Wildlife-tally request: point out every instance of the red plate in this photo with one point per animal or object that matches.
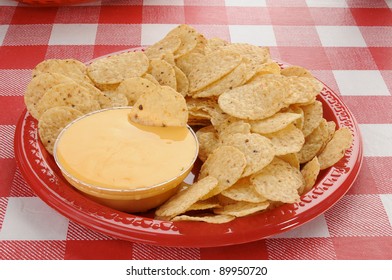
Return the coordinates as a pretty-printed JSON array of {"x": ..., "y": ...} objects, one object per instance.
[{"x": 44, "y": 177}]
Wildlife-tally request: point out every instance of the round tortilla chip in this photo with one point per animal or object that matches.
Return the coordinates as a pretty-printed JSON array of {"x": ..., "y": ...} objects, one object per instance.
[
  {"x": 116, "y": 100},
  {"x": 301, "y": 90},
  {"x": 232, "y": 128},
  {"x": 310, "y": 172},
  {"x": 227, "y": 164},
  {"x": 287, "y": 140},
  {"x": 254, "y": 101},
  {"x": 163, "y": 72},
  {"x": 297, "y": 71},
  {"x": 253, "y": 55},
  {"x": 313, "y": 144},
  {"x": 279, "y": 181},
  {"x": 38, "y": 86},
  {"x": 232, "y": 80},
  {"x": 134, "y": 87},
  {"x": 190, "y": 39},
  {"x": 166, "y": 45},
  {"x": 70, "y": 68},
  {"x": 313, "y": 115},
  {"x": 258, "y": 150},
  {"x": 182, "y": 81},
  {"x": 52, "y": 122},
  {"x": 108, "y": 72},
  {"x": 243, "y": 190},
  {"x": 181, "y": 201},
  {"x": 274, "y": 123},
  {"x": 212, "y": 68},
  {"x": 161, "y": 107},
  {"x": 208, "y": 141},
  {"x": 70, "y": 94},
  {"x": 335, "y": 149}
]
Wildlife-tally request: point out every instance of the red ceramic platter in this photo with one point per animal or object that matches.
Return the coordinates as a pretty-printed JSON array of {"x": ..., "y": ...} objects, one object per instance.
[{"x": 44, "y": 177}]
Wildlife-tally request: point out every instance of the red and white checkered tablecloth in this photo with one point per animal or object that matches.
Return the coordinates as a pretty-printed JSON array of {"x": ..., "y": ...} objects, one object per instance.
[{"x": 346, "y": 44}]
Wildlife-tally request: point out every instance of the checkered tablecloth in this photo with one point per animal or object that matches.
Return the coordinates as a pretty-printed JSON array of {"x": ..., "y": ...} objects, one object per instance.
[{"x": 346, "y": 44}]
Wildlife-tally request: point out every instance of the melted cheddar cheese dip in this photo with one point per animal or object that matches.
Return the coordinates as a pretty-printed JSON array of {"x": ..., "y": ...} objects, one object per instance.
[{"x": 105, "y": 150}]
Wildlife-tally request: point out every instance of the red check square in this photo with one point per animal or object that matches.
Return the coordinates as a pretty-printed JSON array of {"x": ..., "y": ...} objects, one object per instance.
[
  {"x": 344, "y": 58},
  {"x": 12, "y": 107},
  {"x": 363, "y": 248},
  {"x": 300, "y": 56},
  {"x": 163, "y": 14},
  {"x": 7, "y": 167},
  {"x": 98, "y": 250},
  {"x": 372, "y": 17},
  {"x": 382, "y": 103},
  {"x": 34, "y": 15},
  {"x": 24, "y": 35},
  {"x": 246, "y": 251},
  {"x": 14, "y": 57},
  {"x": 151, "y": 252},
  {"x": 121, "y": 14},
  {"x": 82, "y": 53},
  {"x": 205, "y": 15},
  {"x": 382, "y": 57}
]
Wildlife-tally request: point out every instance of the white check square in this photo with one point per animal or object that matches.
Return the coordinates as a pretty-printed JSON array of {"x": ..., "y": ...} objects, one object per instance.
[
  {"x": 340, "y": 36},
  {"x": 29, "y": 218},
  {"x": 361, "y": 82},
  {"x": 315, "y": 228},
  {"x": 73, "y": 34},
  {"x": 327, "y": 3},
  {"x": 151, "y": 33},
  {"x": 387, "y": 202},
  {"x": 377, "y": 139},
  {"x": 3, "y": 31},
  {"x": 246, "y": 3},
  {"x": 259, "y": 35}
]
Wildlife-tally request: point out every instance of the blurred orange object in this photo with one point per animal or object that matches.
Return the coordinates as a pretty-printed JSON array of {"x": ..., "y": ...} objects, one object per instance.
[{"x": 53, "y": 2}]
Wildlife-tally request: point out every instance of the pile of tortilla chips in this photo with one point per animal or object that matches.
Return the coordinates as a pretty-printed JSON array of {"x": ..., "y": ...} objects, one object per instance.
[{"x": 263, "y": 138}]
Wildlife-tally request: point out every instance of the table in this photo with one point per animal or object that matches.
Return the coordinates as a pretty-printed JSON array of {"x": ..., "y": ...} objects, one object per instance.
[{"x": 346, "y": 44}]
